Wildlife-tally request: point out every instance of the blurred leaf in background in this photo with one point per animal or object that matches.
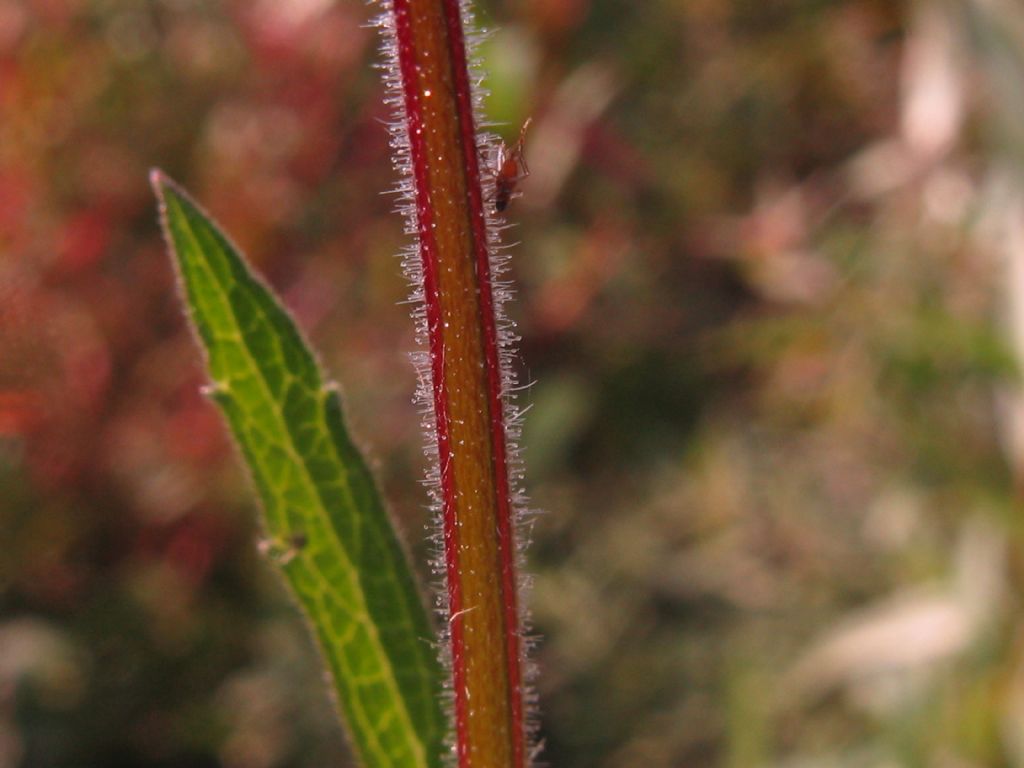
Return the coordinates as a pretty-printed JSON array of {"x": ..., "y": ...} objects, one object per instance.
[{"x": 770, "y": 281}]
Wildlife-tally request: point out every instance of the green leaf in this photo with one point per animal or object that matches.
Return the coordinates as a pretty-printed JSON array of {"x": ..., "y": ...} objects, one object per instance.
[{"x": 326, "y": 525}]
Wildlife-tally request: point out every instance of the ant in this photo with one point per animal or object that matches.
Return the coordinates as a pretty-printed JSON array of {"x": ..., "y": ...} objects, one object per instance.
[{"x": 512, "y": 169}]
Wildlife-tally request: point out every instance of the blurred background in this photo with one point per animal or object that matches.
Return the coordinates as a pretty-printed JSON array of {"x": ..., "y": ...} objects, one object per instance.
[{"x": 771, "y": 282}]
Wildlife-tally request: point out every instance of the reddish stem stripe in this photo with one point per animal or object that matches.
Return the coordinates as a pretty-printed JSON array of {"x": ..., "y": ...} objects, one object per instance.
[
  {"x": 429, "y": 262},
  {"x": 506, "y": 542},
  {"x": 466, "y": 384}
]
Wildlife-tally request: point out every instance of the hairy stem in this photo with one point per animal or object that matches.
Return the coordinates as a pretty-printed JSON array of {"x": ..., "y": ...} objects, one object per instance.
[{"x": 466, "y": 382}]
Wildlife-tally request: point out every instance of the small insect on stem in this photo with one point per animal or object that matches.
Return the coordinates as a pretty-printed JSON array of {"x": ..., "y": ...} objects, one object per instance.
[{"x": 511, "y": 169}]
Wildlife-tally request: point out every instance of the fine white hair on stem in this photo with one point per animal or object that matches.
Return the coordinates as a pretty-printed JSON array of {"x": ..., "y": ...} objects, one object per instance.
[{"x": 506, "y": 341}]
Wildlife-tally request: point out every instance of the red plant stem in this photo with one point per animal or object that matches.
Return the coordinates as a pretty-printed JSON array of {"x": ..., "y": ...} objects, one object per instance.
[{"x": 466, "y": 385}]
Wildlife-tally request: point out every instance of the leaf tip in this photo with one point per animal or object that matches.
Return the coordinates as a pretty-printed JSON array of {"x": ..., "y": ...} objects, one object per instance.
[
  {"x": 164, "y": 186},
  {"x": 161, "y": 184}
]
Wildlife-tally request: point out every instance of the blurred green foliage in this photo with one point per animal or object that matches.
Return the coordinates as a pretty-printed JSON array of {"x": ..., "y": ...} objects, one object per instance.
[{"x": 771, "y": 284}]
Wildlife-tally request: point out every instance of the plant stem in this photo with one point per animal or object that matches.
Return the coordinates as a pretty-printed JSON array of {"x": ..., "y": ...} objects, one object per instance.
[{"x": 466, "y": 382}]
